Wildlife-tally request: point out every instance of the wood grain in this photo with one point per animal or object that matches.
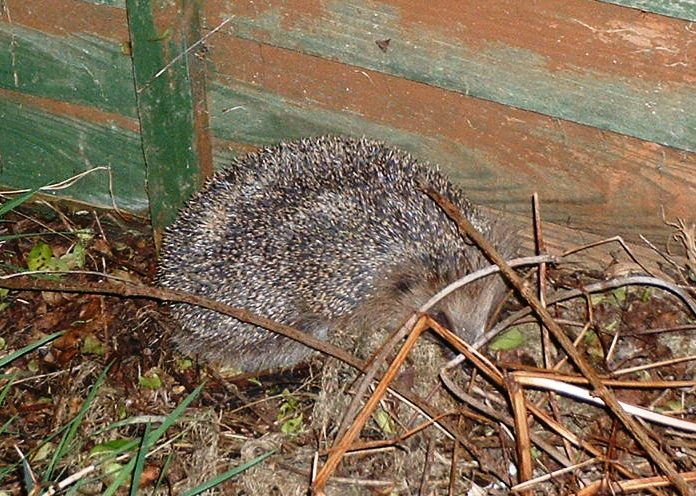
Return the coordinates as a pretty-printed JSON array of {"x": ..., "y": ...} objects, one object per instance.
[
  {"x": 46, "y": 144},
  {"x": 171, "y": 104},
  {"x": 82, "y": 69},
  {"x": 588, "y": 62},
  {"x": 588, "y": 179},
  {"x": 509, "y": 97}
]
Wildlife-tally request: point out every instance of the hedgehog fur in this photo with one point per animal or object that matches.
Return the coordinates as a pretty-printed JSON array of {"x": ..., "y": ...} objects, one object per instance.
[{"x": 325, "y": 234}]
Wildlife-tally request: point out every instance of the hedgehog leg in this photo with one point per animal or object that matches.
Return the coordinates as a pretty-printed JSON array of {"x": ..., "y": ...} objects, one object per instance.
[
  {"x": 294, "y": 352},
  {"x": 273, "y": 351},
  {"x": 314, "y": 325}
]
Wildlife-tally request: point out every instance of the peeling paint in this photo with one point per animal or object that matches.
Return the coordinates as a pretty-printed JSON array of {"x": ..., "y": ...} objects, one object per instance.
[
  {"x": 499, "y": 158},
  {"x": 40, "y": 148},
  {"x": 611, "y": 86},
  {"x": 681, "y": 9},
  {"x": 84, "y": 69}
]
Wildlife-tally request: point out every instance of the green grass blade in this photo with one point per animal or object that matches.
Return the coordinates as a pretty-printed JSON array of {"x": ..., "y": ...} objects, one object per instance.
[
  {"x": 150, "y": 439},
  {"x": 11, "y": 237},
  {"x": 157, "y": 433},
  {"x": 227, "y": 475},
  {"x": 174, "y": 416},
  {"x": 9, "y": 469},
  {"x": 7, "y": 424},
  {"x": 70, "y": 434},
  {"x": 120, "y": 479},
  {"x": 163, "y": 472},
  {"x": 16, "y": 201},
  {"x": 5, "y": 471},
  {"x": 29, "y": 348},
  {"x": 13, "y": 466},
  {"x": 5, "y": 391},
  {"x": 128, "y": 422},
  {"x": 140, "y": 462}
]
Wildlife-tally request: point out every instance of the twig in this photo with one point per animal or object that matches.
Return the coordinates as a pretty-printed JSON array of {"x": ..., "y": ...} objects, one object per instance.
[
  {"x": 584, "y": 395},
  {"x": 498, "y": 416},
  {"x": 492, "y": 269},
  {"x": 344, "y": 443},
  {"x": 532, "y": 482},
  {"x": 497, "y": 377},
  {"x": 381, "y": 354},
  {"x": 614, "y": 239},
  {"x": 16, "y": 282},
  {"x": 653, "y": 365},
  {"x": 186, "y": 52},
  {"x": 626, "y": 487},
  {"x": 546, "y": 345},
  {"x": 66, "y": 183},
  {"x": 594, "y": 288},
  {"x": 519, "y": 412},
  {"x": 633, "y": 427}
]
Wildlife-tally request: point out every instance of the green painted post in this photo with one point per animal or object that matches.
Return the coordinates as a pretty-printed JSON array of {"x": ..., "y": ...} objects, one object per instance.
[{"x": 170, "y": 91}]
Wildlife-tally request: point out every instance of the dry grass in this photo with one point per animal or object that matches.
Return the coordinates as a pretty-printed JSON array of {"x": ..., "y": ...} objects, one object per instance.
[{"x": 111, "y": 381}]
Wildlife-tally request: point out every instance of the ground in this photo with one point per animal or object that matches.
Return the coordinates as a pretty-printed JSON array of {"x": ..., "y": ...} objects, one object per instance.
[{"x": 110, "y": 396}]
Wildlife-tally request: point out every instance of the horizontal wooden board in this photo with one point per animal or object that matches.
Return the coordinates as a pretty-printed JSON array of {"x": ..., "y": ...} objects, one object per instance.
[
  {"x": 41, "y": 147},
  {"x": 681, "y": 9},
  {"x": 113, "y": 3},
  {"x": 68, "y": 103},
  {"x": 106, "y": 20},
  {"x": 584, "y": 61},
  {"x": 77, "y": 68},
  {"x": 558, "y": 239},
  {"x": 588, "y": 179}
]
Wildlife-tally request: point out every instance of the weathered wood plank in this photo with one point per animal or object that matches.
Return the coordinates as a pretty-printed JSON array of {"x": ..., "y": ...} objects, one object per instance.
[
  {"x": 68, "y": 102},
  {"x": 587, "y": 62},
  {"x": 113, "y": 3},
  {"x": 75, "y": 68},
  {"x": 558, "y": 239},
  {"x": 588, "y": 179},
  {"x": 65, "y": 17},
  {"x": 171, "y": 111},
  {"x": 40, "y": 147},
  {"x": 681, "y": 9}
]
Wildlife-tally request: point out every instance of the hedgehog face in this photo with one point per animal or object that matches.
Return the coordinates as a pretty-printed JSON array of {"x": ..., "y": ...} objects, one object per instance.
[{"x": 468, "y": 309}]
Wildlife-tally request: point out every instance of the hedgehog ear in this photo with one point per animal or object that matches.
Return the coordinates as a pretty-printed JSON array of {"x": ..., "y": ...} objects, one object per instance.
[
  {"x": 406, "y": 283},
  {"x": 403, "y": 284}
]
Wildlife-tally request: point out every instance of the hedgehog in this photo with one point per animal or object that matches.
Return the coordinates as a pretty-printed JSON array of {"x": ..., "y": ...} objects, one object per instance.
[{"x": 327, "y": 234}]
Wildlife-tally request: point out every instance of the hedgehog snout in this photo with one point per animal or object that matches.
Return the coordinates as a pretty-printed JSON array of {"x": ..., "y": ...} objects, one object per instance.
[{"x": 468, "y": 312}]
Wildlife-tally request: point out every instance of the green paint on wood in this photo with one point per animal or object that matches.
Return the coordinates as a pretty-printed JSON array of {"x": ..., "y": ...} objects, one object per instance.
[
  {"x": 76, "y": 69},
  {"x": 571, "y": 185},
  {"x": 346, "y": 32},
  {"x": 37, "y": 148},
  {"x": 247, "y": 115},
  {"x": 165, "y": 106},
  {"x": 113, "y": 3},
  {"x": 681, "y": 9}
]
